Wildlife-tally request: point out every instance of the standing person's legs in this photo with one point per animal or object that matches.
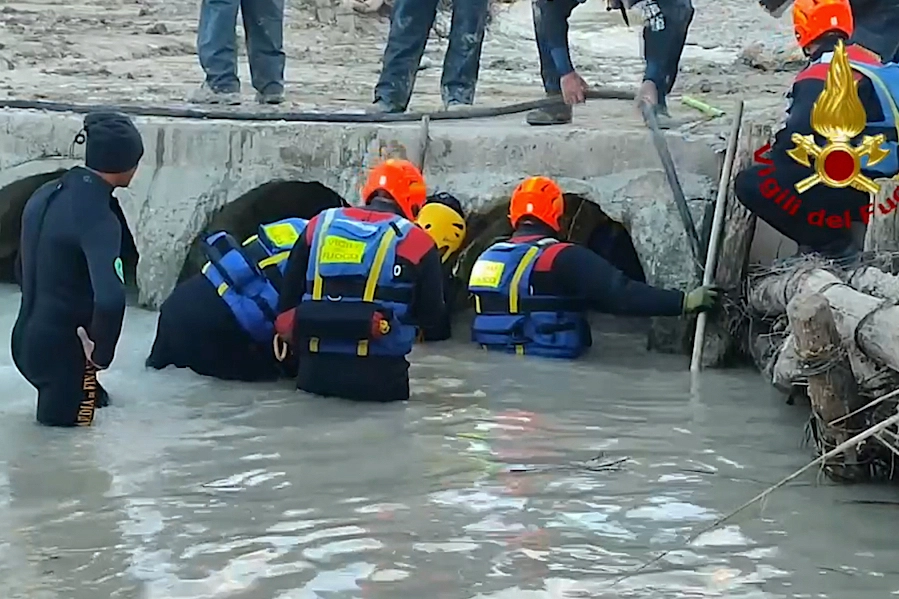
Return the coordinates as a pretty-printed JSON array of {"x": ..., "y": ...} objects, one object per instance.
[
  {"x": 217, "y": 50},
  {"x": 263, "y": 23},
  {"x": 665, "y": 27},
  {"x": 548, "y": 73},
  {"x": 410, "y": 25},
  {"x": 877, "y": 27},
  {"x": 463, "y": 56}
]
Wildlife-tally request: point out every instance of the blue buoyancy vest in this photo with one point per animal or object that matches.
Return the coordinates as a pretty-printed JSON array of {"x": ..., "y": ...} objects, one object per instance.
[
  {"x": 353, "y": 303},
  {"x": 509, "y": 317},
  {"x": 248, "y": 276},
  {"x": 885, "y": 78}
]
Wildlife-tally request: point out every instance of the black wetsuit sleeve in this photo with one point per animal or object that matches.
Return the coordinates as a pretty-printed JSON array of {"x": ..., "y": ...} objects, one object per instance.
[
  {"x": 101, "y": 244},
  {"x": 429, "y": 308},
  {"x": 583, "y": 273},
  {"x": 293, "y": 287}
]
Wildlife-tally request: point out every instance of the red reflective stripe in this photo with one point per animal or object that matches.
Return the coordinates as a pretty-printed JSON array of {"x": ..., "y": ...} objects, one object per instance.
[
  {"x": 548, "y": 257},
  {"x": 415, "y": 245}
]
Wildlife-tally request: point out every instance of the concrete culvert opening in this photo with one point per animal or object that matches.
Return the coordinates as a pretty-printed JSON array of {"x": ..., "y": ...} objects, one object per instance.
[
  {"x": 13, "y": 198},
  {"x": 267, "y": 203},
  {"x": 584, "y": 222}
]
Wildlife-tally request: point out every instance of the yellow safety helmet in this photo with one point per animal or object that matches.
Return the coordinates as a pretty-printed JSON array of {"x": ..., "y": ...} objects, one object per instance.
[{"x": 445, "y": 226}]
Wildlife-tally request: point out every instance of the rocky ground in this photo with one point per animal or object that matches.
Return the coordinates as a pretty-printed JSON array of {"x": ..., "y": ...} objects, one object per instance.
[{"x": 143, "y": 51}]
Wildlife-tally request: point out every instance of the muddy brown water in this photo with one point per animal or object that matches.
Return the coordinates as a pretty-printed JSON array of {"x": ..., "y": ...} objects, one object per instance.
[{"x": 190, "y": 488}]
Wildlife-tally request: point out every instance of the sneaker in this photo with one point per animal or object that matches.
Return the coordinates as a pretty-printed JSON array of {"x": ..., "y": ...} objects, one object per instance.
[
  {"x": 559, "y": 114},
  {"x": 270, "y": 97},
  {"x": 383, "y": 107},
  {"x": 454, "y": 106},
  {"x": 207, "y": 95}
]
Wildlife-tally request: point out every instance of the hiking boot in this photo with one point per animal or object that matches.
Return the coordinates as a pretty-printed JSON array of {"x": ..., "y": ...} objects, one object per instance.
[
  {"x": 559, "y": 114},
  {"x": 207, "y": 95},
  {"x": 270, "y": 97},
  {"x": 383, "y": 107}
]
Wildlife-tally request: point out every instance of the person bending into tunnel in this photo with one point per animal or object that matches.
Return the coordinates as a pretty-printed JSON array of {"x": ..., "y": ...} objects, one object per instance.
[
  {"x": 532, "y": 292},
  {"x": 221, "y": 321},
  {"x": 73, "y": 294},
  {"x": 768, "y": 189},
  {"x": 357, "y": 285},
  {"x": 444, "y": 220}
]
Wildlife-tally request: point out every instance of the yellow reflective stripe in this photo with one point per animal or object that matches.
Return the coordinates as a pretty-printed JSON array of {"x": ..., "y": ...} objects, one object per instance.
[
  {"x": 516, "y": 280},
  {"x": 277, "y": 258},
  {"x": 250, "y": 239},
  {"x": 477, "y": 304},
  {"x": 371, "y": 284},
  {"x": 317, "y": 282},
  {"x": 222, "y": 288},
  {"x": 205, "y": 267},
  {"x": 886, "y": 92}
]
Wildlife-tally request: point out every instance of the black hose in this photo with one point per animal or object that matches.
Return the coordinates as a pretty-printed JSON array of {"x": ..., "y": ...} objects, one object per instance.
[
  {"x": 312, "y": 117},
  {"x": 680, "y": 200}
]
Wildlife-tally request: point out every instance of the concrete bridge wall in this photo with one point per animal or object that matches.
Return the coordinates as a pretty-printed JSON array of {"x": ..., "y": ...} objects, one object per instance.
[{"x": 199, "y": 175}]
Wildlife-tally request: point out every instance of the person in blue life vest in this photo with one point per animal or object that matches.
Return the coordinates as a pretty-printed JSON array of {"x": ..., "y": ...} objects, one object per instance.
[
  {"x": 444, "y": 220},
  {"x": 532, "y": 292},
  {"x": 768, "y": 190},
  {"x": 221, "y": 321},
  {"x": 358, "y": 285},
  {"x": 72, "y": 279}
]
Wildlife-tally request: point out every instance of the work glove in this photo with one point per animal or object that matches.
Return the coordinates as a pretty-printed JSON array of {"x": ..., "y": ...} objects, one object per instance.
[{"x": 701, "y": 299}]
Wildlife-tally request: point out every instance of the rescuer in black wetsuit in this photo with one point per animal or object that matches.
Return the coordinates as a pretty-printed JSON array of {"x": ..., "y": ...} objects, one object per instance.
[
  {"x": 216, "y": 330},
  {"x": 532, "y": 292},
  {"x": 73, "y": 296},
  {"x": 351, "y": 307},
  {"x": 768, "y": 189},
  {"x": 444, "y": 220}
]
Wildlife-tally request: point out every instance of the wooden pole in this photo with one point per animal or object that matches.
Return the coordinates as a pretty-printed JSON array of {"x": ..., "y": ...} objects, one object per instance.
[
  {"x": 711, "y": 257},
  {"x": 423, "y": 142},
  {"x": 831, "y": 384},
  {"x": 883, "y": 224}
]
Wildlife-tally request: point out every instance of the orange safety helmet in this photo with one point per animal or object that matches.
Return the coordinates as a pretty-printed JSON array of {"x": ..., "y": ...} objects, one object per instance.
[
  {"x": 402, "y": 181},
  {"x": 814, "y": 18},
  {"x": 539, "y": 197}
]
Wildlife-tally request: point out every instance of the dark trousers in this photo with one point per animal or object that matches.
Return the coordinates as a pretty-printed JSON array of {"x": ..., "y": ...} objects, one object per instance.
[
  {"x": 802, "y": 218},
  {"x": 263, "y": 22},
  {"x": 877, "y": 27},
  {"x": 373, "y": 378},
  {"x": 52, "y": 360},
  {"x": 197, "y": 330},
  {"x": 410, "y": 25},
  {"x": 665, "y": 27}
]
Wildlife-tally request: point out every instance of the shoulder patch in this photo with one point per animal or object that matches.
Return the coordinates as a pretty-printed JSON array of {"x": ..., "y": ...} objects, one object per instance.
[{"x": 119, "y": 270}]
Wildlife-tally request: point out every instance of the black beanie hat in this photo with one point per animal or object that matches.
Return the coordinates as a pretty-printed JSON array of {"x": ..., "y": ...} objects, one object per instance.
[
  {"x": 113, "y": 142},
  {"x": 447, "y": 199}
]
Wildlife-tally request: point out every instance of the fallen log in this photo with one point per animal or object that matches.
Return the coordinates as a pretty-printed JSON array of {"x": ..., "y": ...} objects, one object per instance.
[
  {"x": 864, "y": 321},
  {"x": 831, "y": 385}
]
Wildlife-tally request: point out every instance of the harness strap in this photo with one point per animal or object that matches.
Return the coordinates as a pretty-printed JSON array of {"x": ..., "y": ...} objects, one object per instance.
[
  {"x": 317, "y": 282},
  {"x": 516, "y": 281},
  {"x": 878, "y": 82},
  {"x": 215, "y": 255},
  {"x": 371, "y": 284}
]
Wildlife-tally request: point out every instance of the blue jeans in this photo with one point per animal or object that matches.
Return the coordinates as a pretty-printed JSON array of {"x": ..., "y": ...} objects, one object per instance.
[
  {"x": 664, "y": 35},
  {"x": 410, "y": 24},
  {"x": 877, "y": 28},
  {"x": 665, "y": 26},
  {"x": 263, "y": 22}
]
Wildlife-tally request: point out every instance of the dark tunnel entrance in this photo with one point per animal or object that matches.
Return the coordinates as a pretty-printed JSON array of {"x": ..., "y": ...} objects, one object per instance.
[
  {"x": 584, "y": 222},
  {"x": 13, "y": 198},
  {"x": 267, "y": 203}
]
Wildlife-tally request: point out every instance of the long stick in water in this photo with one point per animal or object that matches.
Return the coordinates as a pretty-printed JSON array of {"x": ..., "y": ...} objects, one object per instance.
[
  {"x": 819, "y": 460},
  {"x": 680, "y": 200},
  {"x": 711, "y": 257}
]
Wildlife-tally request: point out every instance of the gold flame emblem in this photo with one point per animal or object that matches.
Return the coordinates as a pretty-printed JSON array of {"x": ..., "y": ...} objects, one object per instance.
[{"x": 838, "y": 116}]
